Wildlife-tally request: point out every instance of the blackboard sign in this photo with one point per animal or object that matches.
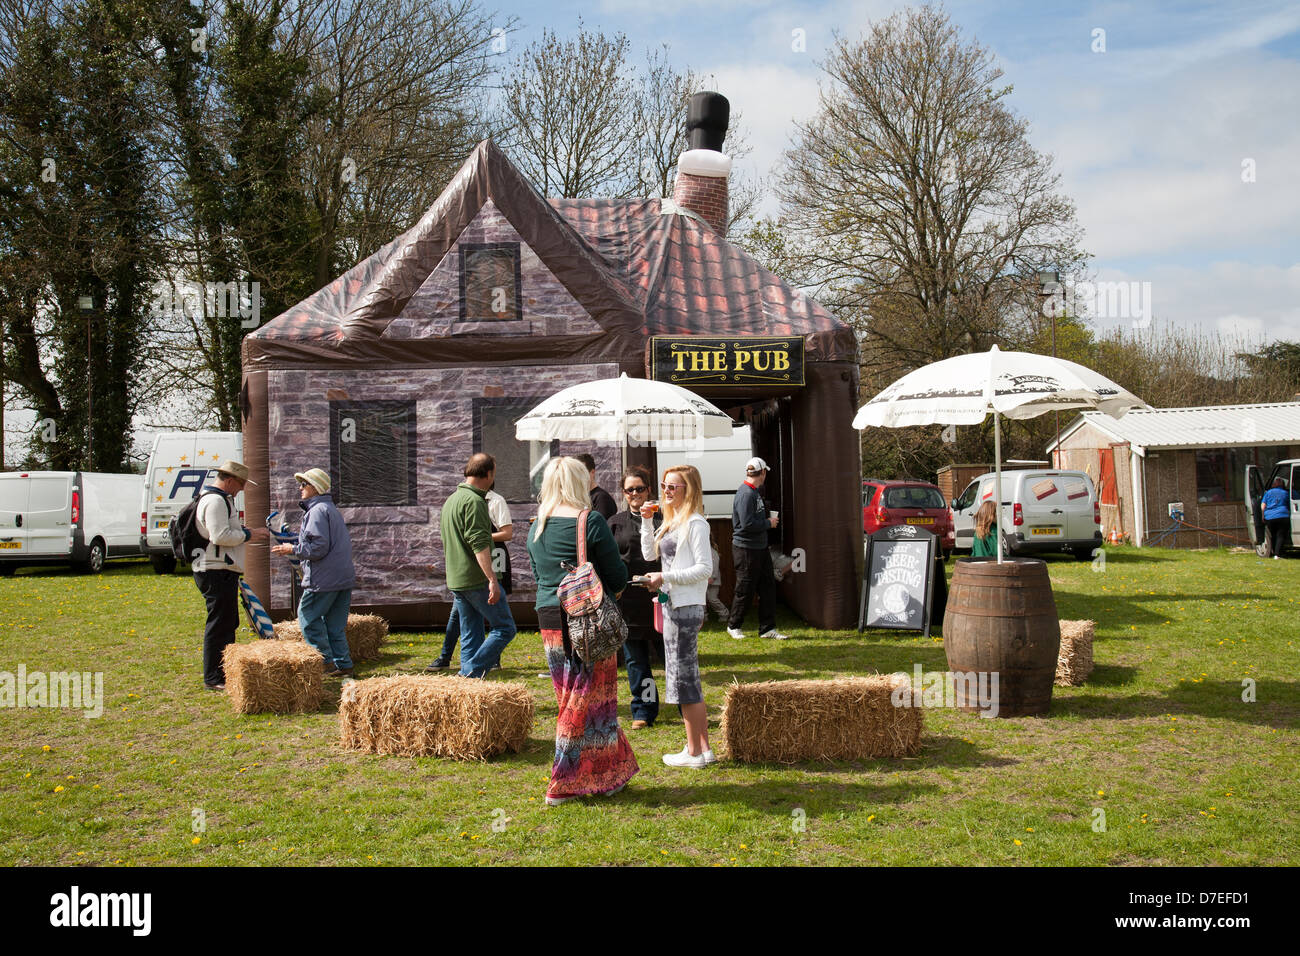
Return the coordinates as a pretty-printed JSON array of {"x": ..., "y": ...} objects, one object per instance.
[
  {"x": 897, "y": 581},
  {"x": 734, "y": 360}
]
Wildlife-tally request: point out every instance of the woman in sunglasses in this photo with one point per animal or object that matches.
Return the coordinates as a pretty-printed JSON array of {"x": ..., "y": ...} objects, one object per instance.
[
  {"x": 682, "y": 542},
  {"x": 636, "y": 603}
]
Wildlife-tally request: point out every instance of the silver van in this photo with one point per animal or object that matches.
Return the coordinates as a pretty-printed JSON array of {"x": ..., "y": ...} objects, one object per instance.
[
  {"x": 67, "y": 517},
  {"x": 1043, "y": 510},
  {"x": 1255, "y": 485}
]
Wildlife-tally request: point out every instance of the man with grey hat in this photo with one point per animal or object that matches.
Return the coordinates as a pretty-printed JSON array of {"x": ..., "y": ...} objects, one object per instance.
[
  {"x": 750, "y": 523},
  {"x": 328, "y": 574},
  {"x": 217, "y": 569}
]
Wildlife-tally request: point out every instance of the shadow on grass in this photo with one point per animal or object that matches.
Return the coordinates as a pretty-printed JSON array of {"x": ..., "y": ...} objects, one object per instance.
[
  {"x": 782, "y": 798},
  {"x": 113, "y": 568},
  {"x": 1277, "y": 703},
  {"x": 1112, "y": 675}
]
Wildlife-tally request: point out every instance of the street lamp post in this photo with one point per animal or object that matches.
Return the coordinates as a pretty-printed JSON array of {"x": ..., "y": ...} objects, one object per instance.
[{"x": 86, "y": 305}]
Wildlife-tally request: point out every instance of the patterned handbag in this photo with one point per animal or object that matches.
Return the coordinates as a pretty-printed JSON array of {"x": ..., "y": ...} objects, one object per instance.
[{"x": 596, "y": 626}]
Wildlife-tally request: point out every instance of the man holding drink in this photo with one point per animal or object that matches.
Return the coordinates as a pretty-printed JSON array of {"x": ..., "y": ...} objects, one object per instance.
[{"x": 750, "y": 523}]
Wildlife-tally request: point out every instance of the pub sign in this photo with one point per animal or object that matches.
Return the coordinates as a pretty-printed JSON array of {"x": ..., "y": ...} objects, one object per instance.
[{"x": 733, "y": 360}]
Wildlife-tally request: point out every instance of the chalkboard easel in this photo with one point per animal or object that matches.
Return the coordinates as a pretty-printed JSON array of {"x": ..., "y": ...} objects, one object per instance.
[{"x": 898, "y": 568}]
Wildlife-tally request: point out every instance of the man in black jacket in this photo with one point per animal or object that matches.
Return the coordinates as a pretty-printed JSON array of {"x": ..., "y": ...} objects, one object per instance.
[
  {"x": 602, "y": 501},
  {"x": 750, "y": 523}
]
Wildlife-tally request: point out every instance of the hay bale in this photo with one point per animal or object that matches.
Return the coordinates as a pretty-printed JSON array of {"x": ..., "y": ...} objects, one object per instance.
[
  {"x": 273, "y": 676},
  {"x": 435, "y": 716},
  {"x": 848, "y": 718},
  {"x": 365, "y": 633},
  {"x": 1074, "y": 663}
]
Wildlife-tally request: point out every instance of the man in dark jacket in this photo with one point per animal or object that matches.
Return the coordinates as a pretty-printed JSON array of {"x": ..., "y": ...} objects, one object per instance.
[
  {"x": 750, "y": 523},
  {"x": 328, "y": 575},
  {"x": 602, "y": 502}
]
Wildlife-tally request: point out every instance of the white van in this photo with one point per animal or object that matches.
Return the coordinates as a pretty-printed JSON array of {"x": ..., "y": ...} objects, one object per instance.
[
  {"x": 67, "y": 517},
  {"x": 1289, "y": 472},
  {"x": 180, "y": 464},
  {"x": 720, "y": 461},
  {"x": 1042, "y": 510}
]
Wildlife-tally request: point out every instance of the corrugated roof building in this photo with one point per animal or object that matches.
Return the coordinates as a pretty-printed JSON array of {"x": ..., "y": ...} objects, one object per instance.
[{"x": 1195, "y": 460}]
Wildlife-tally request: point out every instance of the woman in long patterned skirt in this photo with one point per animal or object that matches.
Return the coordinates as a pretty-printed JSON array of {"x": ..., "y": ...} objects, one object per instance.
[{"x": 592, "y": 755}]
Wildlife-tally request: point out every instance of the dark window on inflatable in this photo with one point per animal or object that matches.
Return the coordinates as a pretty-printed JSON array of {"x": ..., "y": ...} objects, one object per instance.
[
  {"x": 519, "y": 464},
  {"x": 373, "y": 453},
  {"x": 490, "y": 282}
]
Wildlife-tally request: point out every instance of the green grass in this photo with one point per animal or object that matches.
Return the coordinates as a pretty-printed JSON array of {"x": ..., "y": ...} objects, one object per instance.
[{"x": 1160, "y": 739}]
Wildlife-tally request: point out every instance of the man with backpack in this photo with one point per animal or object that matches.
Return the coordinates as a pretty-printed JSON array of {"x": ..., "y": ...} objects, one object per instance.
[{"x": 213, "y": 537}]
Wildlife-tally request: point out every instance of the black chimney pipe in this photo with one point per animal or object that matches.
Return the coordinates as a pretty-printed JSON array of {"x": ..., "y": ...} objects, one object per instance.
[{"x": 707, "y": 116}]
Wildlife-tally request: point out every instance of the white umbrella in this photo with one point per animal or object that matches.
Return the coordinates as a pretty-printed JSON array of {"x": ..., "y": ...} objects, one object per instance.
[
  {"x": 622, "y": 409},
  {"x": 963, "y": 389}
]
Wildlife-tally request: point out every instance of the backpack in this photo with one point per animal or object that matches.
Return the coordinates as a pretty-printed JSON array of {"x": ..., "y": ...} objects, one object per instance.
[
  {"x": 596, "y": 626},
  {"x": 183, "y": 530}
]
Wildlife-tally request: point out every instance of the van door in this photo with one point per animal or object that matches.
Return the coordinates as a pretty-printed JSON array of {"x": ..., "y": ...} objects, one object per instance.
[
  {"x": 1294, "y": 493},
  {"x": 1043, "y": 507},
  {"x": 1254, "y": 485},
  {"x": 1080, "y": 495},
  {"x": 48, "y": 520},
  {"x": 963, "y": 516},
  {"x": 13, "y": 510}
]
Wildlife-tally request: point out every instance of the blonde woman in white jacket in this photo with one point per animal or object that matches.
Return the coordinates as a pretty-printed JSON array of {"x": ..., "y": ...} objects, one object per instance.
[{"x": 682, "y": 544}]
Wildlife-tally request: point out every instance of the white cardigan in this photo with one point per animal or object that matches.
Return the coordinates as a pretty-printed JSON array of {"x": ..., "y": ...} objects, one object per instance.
[{"x": 687, "y": 578}]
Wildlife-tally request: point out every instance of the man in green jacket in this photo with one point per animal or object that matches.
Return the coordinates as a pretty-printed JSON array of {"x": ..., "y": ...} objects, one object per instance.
[{"x": 467, "y": 546}]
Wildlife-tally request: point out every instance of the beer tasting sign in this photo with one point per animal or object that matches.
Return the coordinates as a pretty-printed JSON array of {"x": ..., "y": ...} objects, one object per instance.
[{"x": 897, "y": 584}]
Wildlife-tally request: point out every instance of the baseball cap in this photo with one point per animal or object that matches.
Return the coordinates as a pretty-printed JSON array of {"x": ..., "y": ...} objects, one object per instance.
[{"x": 755, "y": 465}]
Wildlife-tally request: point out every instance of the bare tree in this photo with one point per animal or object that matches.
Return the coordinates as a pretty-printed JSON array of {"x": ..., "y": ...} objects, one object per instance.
[
  {"x": 572, "y": 110},
  {"x": 913, "y": 201}
]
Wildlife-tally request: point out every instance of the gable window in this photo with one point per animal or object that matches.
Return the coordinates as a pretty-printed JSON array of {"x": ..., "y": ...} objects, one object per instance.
[
  {"x": 519, "y": 464},
  {"x": 490, "y": 286},
  {"x": 373, "y": 453}
]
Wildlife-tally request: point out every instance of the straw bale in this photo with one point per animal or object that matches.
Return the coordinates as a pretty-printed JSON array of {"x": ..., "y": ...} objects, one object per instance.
[
  {"x": 365, "y": 633},
  {"x": 1074, "y": 663},
  {"x": 417, "y": 716},
  {"x": 273, "y": 676},
  {"x": 848, "y": 718}
]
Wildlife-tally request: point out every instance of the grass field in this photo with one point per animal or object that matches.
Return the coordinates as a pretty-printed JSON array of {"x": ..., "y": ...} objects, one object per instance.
[{"x": 1160, "y": 739}]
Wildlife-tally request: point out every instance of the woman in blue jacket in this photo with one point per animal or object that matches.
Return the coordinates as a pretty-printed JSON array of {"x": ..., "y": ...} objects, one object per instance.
[
  {"x": 328, "y": 575},
  {"x": 1277, "y": 516}
]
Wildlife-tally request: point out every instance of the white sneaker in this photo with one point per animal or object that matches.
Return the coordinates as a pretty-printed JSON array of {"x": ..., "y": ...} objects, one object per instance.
[
  {"x": 684, "y": 759},
  {"x": 736, "y": 633},
  {"x": 709, "y": 757},
  {"x": 775, "y": 636}
]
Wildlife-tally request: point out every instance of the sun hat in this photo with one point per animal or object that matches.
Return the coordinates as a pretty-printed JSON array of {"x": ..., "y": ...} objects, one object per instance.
[
  {"x": 237, "y": 469},
  {"x": 316, "y": 478},
  {"x": 755, "y": 466}
]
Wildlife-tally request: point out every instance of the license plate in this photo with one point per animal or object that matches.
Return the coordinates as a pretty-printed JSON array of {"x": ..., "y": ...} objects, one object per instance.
[
  {"x": 1052, "y": 531},
  {"x": 920, "y": 521},
  {"x": 161, "y": 523},
  {"x": 11, "y": 545}
]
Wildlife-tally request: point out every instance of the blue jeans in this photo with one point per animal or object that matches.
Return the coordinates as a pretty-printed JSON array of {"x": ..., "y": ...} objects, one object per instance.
[
  {"x": 640, "y": 680},
  {"x": 323, "y": 617},
  {"x": 453, "y": 635},
  {"x": 477, "y": 653}
]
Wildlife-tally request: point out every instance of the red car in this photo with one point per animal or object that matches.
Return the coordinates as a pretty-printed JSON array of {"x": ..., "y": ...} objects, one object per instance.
[{"x": 886, "y": 503}]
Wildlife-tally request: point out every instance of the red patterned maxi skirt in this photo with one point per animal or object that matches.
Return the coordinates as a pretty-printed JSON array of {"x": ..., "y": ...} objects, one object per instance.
[{"x": 592, "y": 754}]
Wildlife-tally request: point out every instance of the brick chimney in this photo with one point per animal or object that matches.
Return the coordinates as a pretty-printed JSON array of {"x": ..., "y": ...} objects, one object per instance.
[{"x": 702, "y": 170}]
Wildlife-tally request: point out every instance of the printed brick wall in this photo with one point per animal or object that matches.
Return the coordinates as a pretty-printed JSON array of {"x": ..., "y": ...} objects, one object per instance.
[
  {"x": 705, "y": 195},
  {"x": 547, "y": 307},
  {"x": 397, "y": 549}
]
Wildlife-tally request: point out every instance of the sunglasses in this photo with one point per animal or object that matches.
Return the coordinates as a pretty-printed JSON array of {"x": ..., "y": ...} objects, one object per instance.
[
  {"x": 638, "y": 490},
  {"x": 670, "y": 486}
]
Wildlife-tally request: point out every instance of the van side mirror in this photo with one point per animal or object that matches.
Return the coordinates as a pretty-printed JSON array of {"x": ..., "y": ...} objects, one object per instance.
[{"x": 954, "y": 504}]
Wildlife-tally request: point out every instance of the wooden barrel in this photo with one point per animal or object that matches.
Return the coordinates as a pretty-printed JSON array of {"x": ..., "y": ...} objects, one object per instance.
[{"x": 1001, "y": 618}]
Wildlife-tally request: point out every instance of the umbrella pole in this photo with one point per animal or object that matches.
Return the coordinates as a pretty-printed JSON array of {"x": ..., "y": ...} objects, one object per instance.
[{"x": 997, "y": 479}]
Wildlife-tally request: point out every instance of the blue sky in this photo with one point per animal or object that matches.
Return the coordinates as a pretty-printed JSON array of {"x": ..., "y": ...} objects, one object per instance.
[{"x": 1149, "y": 135}]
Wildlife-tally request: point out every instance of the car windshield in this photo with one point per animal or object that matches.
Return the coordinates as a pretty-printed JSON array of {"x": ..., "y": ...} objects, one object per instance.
[{"x": 914, "y": 498}]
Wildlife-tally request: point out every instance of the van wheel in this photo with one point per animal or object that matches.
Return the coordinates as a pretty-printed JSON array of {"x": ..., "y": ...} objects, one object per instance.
[
  {"x": 163, "y": 563},
  {"x": 94, "y": 563}
]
